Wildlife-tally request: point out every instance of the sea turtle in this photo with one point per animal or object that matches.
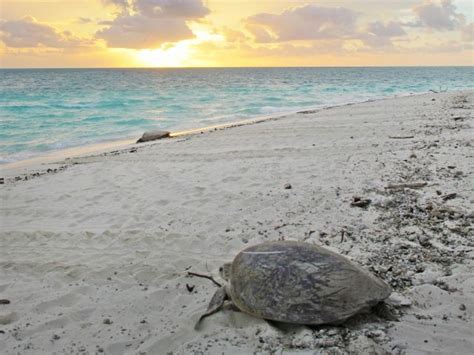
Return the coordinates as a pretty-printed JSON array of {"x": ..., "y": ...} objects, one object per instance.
[{"x": 296, "y": 282}]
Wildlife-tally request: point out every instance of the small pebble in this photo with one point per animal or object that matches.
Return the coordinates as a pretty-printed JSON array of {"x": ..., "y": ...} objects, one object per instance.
[
  {"x": 462, "y": 307},
  {"x": 287, "y": 186}
]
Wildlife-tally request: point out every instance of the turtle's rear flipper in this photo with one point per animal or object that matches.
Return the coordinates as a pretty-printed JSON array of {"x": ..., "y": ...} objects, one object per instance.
[{"x": 216, "y": 303}]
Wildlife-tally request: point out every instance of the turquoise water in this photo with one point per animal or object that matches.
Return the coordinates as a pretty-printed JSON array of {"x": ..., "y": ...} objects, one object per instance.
[{"x": 50, "y": 109}]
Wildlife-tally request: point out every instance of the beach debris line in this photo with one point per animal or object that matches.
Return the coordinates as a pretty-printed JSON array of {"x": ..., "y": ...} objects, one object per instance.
[
  {"x": 307, "y": 112},
  {"x": 153, "y": 136},
  {"x": 401, "y": 137},
  {"x": 409, "y": 185},
  {"x": 296, "y": 283}
]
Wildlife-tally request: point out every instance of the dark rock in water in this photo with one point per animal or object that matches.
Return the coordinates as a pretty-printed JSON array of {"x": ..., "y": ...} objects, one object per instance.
[{"x": 153, "y": 136}]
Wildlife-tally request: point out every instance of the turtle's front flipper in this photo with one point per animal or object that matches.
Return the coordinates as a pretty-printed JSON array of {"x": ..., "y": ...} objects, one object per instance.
[{"x": 216, "y": 303}]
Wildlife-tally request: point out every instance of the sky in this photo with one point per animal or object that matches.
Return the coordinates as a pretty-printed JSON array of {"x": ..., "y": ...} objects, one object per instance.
[{"x": 235, "y": 33}]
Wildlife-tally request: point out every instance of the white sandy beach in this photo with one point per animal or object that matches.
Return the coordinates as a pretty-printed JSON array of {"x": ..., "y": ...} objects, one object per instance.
[{"x": 94, "y": 256}]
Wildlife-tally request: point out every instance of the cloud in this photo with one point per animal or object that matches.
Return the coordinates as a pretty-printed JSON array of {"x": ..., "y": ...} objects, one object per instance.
[
  {"x": 440, "y": 15},
  {"x": 446, "y": 47},
  {"x": 380, "y": 34},
  {"x": 84, "y": 20},
  {"x": 232, "y": 36},
  {"x": 141, "y": 32},
  {"x": 171, "y": 8},
  {"x": 29, "y": 33},
  {"x": 468, "y": 32},
  {"x": 147, "y": 24},
  {"x": 309, "y": 22},
  {"x": 389, "y": 29},
  {"x": 123, "y": 4}
]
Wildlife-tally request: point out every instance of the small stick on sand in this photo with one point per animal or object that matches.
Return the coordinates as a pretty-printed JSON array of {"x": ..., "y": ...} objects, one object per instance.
[
  {"x": 360, "y": 202},
  {"x": 410, "y": 185},
  {"x": 205, "y": 277},
  {"x": 401, "y": 137},
  {"x": 449, "y": 196}
]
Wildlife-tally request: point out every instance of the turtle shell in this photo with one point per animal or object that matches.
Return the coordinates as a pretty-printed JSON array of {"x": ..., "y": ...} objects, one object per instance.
[{"x": 301, "y": 283}]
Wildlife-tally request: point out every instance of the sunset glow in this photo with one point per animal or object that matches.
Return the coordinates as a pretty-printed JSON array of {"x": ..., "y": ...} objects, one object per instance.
[
  {"x": 180, "y": 54},
  {"x": 194, "y": 33}
]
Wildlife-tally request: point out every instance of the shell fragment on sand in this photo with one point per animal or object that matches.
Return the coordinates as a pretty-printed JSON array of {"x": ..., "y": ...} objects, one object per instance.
[{"x": 153, "y": 136}]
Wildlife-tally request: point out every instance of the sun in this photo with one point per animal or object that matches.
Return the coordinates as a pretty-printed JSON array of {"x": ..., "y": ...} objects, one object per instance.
[
  {"x": 179, "y": 54},
  {"x": 175, "y": 56}
]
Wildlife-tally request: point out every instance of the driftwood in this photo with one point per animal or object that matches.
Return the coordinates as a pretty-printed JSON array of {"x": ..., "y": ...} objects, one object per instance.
[
  {"x": 401, "y": 137},
  {"x": 360, "y": 202},
  {"x": 205, "y": 277},
  {"x": 449, "y": 196},
  {"x": 410, "y": 185}
]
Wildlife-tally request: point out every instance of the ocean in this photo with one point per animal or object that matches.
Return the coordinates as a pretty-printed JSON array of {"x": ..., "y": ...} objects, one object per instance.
[{"x": 43, "y": 110}]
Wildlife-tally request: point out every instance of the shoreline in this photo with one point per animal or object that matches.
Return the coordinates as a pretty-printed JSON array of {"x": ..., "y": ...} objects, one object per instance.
[
  {"x": 52, "y": 157},
  {"x": 121, "y": 144}
]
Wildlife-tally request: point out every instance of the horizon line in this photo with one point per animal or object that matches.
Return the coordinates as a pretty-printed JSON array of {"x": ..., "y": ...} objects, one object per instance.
[{"x": 250, "y": 67}]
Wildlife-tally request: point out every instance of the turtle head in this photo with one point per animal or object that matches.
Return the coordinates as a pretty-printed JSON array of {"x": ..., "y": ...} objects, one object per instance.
[{"x": 224, "y": 271}]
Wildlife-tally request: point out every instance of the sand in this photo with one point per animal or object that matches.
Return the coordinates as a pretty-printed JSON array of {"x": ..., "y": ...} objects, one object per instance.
[{"x": 94, "y": 252}]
